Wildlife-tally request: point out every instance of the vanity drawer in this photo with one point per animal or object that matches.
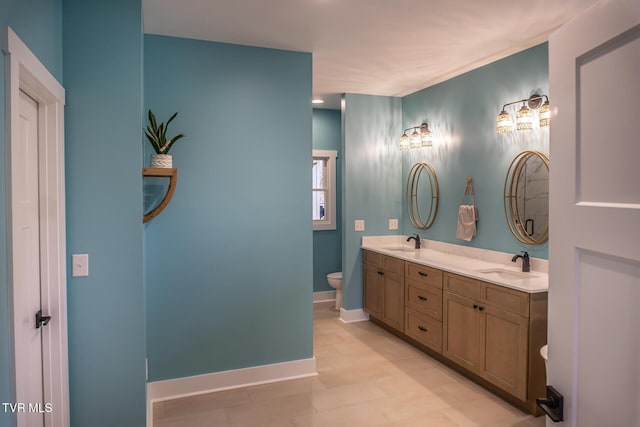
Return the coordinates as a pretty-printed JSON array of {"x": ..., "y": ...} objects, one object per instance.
[
  {"x": 507, "y": 299},
  {"x": 372, "y": 258},
  {"x": 423, "y": 329},
  {"x": 501, "y": 297},
  {"x": 423, "y": 274},
  {"x": 424, "y": 299},
  {"x": 463, "y": 286},
  {"x": 393, "y": 265}
]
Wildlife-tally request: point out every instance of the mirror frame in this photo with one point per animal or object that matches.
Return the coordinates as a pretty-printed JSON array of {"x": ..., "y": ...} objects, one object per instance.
[
  {"x": 511, "y": 197},
  {"x": 415, "y": 216}
]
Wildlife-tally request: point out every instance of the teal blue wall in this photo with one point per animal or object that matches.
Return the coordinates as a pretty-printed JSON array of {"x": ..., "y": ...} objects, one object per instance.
[
  {"x": 462, "y": 112},
  {"x": 229, "y": 262},
  {"x": 39, "y": 26},
  {"x": 103, "y": 82},
  {"x": 372, "y": 179},
  {"x": 38, "y": 23},
  {"x": 327, "y": 246}
]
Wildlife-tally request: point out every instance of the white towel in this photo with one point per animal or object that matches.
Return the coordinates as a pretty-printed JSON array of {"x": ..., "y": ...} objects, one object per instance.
[{"x": 467, "y": 217}]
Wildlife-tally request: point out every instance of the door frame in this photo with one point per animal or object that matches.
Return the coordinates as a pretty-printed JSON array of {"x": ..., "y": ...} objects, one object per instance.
[{"x": 25, "y": 72}]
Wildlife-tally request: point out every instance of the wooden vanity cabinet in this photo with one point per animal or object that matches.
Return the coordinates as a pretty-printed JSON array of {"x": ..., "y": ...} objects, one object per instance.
[
  {"x": 384, "y": 288},
  {"x": 486, "y": 331},
  {"x": 490, "y": 333}
]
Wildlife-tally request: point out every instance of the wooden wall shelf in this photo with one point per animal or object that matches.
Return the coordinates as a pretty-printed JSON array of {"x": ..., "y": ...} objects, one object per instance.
[{"x": 172, "y": 174}]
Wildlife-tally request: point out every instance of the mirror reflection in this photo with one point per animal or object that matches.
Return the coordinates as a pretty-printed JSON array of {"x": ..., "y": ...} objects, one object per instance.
[{"x": 526, "y": 197}]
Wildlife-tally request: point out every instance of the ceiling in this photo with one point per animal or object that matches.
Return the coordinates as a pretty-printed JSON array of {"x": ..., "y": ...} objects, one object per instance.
[{"x": 376, "y": 47}]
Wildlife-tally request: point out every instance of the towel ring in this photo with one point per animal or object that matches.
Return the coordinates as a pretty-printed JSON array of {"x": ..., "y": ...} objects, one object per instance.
[{"x": 468, "y": 191}]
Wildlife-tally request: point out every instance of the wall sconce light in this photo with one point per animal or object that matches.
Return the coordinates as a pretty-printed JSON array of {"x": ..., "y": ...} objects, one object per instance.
[
  {"x": 424, "y": 138},
  {"x": 524, "y": 116}
]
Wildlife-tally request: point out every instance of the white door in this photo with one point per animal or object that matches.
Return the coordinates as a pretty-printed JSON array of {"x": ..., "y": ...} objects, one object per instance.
[
  {"x": 26, "y": 223},
  {"x": 594, "y": 238}
]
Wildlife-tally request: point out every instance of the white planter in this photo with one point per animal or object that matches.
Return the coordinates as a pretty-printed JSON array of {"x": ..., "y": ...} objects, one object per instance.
[{"x": 161, "y": 161}]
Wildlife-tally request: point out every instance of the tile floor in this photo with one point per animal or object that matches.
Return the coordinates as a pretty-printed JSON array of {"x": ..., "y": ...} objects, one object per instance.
[{"x": 366, "y": 377}]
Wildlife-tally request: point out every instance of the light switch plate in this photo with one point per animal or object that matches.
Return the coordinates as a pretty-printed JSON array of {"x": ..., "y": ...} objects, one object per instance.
[
  {"x": 393, "y": 224},
  {"x": 80, "y": 265},
  {"x": 359, "y": 224}
]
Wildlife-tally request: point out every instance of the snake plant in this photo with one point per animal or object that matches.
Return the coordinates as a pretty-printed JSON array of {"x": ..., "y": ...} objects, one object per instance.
[{"x": 157, "y": 135}]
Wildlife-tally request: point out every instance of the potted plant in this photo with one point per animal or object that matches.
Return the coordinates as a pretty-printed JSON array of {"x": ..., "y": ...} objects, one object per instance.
[{"x": 157, "y": 136}]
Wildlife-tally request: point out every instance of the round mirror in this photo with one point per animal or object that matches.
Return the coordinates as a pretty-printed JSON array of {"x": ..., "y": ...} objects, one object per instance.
[
  {"x": 526, "y": 197},
  {"x": 422, "y": 195}
]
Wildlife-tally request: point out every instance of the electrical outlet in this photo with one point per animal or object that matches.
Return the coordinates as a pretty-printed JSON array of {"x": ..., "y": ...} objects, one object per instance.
[
  {"x": 393, "y": 224},
  {"x": 80, "y": 265},
  {"x": 359, "y": 224}
]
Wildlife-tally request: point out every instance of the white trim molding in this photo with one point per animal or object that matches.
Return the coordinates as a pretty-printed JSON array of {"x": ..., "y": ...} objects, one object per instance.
[
  {"x": 324, "y": 296},
  {"x": 24, "y": 72},
  {"x": 351, "y": 316},
  {"x": 218, "y": 381}
]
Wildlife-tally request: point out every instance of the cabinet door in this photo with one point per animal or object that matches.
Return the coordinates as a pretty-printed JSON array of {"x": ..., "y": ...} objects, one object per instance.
[
  {"x": 393, "y": 301},
  {"x": 461, "y": 331},
  {"x": 373, "y": 290},
  {"x": 504, "y": 341}
]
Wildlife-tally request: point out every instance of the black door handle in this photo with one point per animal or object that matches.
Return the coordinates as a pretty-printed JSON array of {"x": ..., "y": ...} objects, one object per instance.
[{"x": 41, "y": 320}]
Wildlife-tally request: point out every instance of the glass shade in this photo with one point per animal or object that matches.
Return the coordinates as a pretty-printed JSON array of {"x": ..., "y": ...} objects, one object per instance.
[
  {"x": 545, "y": 114},
  {"x": 415, "y": 140},
  {"x": 404, "y": 142},
  {"x": 504, "y": 124},
  {"x": 524, "y": 118},
  {"x": 426, "y": 136}
]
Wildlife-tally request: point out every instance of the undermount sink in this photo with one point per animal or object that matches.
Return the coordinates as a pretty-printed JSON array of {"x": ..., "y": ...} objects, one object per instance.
[
  {"x": 503, "y": 273},
  {"x": 400, "y": 249}
]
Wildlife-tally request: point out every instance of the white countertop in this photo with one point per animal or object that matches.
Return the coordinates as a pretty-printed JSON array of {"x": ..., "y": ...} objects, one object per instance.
[{"x": 489, "y": 266}]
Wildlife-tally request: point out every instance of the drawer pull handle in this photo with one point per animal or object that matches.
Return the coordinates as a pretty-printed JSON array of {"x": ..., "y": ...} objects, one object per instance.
[
  {"x": 475, "y": 306},
  {"x": 422, "y": 273},
  {"x": 422, "y": 329},
  {"x": 480, "y": 308},
  {"x": 422, "y": 298},
  {"x": 381, "y": 273}
]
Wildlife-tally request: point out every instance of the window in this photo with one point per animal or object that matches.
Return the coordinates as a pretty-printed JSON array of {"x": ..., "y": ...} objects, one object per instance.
[{"x": 324, "y": 189}]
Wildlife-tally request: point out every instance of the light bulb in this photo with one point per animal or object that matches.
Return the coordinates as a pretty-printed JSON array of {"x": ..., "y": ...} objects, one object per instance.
[
  {"x": 524, "y": 118},
  {"x": 545, "y": 114},
  {"x": 425, "y": 135},
  {"x": 404, "y": 142},
  {"x": 416, "y": 141},
  {"x": 504, "y": 124}
]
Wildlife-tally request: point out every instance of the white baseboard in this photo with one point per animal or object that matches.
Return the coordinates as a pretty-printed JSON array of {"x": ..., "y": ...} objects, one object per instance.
[
  {"x": 324, "y": 296},
  {"x": 218, "y": 381},
  {"x": 350, "y": 316}
]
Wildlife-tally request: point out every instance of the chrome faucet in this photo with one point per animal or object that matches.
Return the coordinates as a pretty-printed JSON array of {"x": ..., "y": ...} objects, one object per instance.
[
  {"x": 526, "y": 266},
  {"x": 416, "y": 238}
]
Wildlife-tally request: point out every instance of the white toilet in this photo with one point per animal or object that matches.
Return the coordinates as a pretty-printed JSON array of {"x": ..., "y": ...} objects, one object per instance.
[
  {"x": 335, "y": 280},
  {"x": 544, "y": 352}
]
